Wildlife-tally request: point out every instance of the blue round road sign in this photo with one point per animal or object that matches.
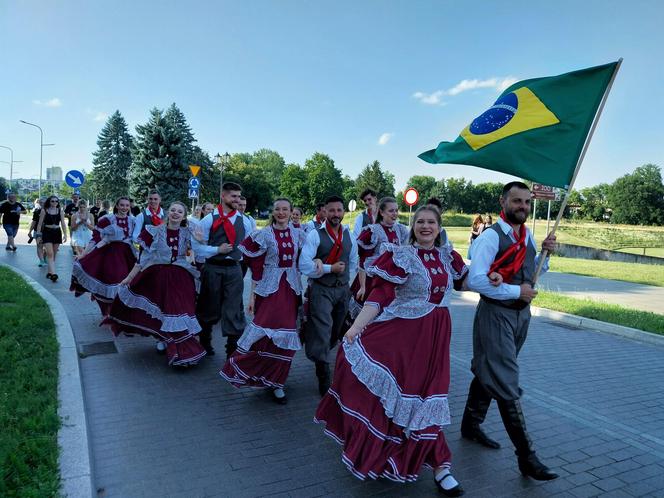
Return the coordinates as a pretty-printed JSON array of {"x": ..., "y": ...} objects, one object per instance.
[
  {"x": 194, "y": 182},
  {"x": 74, "y": 178}
]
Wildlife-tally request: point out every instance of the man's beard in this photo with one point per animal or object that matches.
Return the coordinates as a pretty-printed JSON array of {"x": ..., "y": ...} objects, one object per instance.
[
  {"x": 515, "y": 217},
  {"x": 334, "y": 221}
]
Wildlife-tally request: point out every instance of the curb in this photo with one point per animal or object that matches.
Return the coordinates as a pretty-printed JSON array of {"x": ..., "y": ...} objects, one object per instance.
[
  {"x": 74, "y": 456},
  {"x": 583, "y": 322}
]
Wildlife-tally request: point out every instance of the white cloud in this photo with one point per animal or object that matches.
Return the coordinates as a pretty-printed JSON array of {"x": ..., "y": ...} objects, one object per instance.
[
  {"x": 54, "y": 102},
  {"x": 100, "y": 116},
  {"x": 435, "y": 98},
  {"x": 384, "y": 138}
]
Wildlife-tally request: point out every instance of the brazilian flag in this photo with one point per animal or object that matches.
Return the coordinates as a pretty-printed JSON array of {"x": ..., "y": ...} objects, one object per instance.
[{"x": 535, "y": 130}]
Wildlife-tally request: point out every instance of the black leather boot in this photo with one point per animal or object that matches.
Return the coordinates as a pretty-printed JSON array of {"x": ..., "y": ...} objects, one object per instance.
[
  {"x": 231, "y": 345},
  {"x": 515, "y": 424},
  {"x": 323, "y": 374},
  {"x": 205, "y": 338},
  {"x": 476, "y": 407}
]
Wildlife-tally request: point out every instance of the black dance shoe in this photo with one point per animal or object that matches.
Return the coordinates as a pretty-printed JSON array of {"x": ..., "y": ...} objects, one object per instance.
[
  {"x": 280, "y": 400},
  {"x": 530, "y": 466},
  {"x": 455, "y": 491},
  {"x": 479, "y": 436}
]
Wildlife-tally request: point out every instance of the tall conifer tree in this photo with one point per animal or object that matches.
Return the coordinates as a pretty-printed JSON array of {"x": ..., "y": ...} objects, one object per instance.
[{"x": 112, "y": 159}]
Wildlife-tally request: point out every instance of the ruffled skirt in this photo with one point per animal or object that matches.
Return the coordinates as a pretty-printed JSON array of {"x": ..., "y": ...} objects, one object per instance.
[
  {"x": 101, "y": 271},
  {"x": 388, "y": 401},
  {"x": 160, "y": 302},
  {"x": 268, "y": 344}
]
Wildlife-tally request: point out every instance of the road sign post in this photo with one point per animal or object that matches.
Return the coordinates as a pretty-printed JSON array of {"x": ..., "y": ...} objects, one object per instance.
[{"x": 410, "y": 197}]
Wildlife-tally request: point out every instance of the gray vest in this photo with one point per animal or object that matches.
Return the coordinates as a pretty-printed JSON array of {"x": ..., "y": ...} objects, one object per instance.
[
  {"x": 527, "y": 271},
  {"x": 219, "y": 237},
  {"x": 324, "y": 248},
  {"x": 365, "y": 219}
]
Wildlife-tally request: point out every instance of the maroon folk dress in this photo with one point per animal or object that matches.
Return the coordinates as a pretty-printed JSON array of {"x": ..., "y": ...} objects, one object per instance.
[
  {"x": 160, "y": 301},
  {"x": 269, "y": 342},
  {"x": 387, "y": 405},
  {"x": 110, "y": 261},
  {"x": 371, "y": 244}
]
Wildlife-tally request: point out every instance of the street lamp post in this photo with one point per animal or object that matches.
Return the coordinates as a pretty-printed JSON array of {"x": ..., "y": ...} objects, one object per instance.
[
  {"x": 41, "y": 151},
  {"x": 222, "y": 162},
  {"x": 11, "y": 163}
]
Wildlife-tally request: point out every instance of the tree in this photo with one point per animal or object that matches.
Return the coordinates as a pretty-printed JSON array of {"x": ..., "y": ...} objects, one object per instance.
[
  {"x": 372, "y": 176},
  {"x": 595, "y": 202},
  {"x": 273, "y": 166},
  {"x": 423, "y": 184},
  {"x": 638, "y": 198},
  {"x": 294, "y": 185},
  {"x": 323, "y": 178},
  {"x": 112, "y": 159},
  {"x": 253, "y": 180},
  {"x": 162, "y": 150}
]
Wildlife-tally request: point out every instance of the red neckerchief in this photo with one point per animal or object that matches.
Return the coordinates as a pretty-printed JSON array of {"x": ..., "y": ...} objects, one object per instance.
[
  {"x": 371, "y": 216},
  {"x": 517, "y": 251},
  {"x": 225, "y": 220},
  {"x": 337, "y": 248},
  {"x": 296, "y": 225},
  {"x": 319, "y": 219},
  {"x": 156, "y": 220}
]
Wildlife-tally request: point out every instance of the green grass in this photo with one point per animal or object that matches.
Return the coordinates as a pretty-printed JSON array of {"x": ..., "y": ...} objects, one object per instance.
[
  {"x": 28, "y": 393},
  {"x": 611, "y": 313},
  {"x": 612, "y": 270}
]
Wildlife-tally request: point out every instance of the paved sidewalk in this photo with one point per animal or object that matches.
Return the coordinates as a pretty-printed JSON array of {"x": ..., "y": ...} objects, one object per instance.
[
  {"x": 594, "y": 405},
  {"x": 628, "y": 294}
]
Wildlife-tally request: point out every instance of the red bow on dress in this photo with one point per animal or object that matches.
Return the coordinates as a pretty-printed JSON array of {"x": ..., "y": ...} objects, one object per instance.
[
  {"x": 225, "y": 221},
  {"x": 156, "y": 220},
  {"x": 337, "y": 248},
  {"x": 516, "y": 250}
]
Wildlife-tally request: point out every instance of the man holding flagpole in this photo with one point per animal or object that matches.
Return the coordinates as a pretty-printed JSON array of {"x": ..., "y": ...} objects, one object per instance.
[{"x": 501, "y": 325}]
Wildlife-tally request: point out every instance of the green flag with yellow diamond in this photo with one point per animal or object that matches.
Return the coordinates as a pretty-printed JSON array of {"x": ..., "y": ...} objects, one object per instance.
[{"x": 535, "y": 130}]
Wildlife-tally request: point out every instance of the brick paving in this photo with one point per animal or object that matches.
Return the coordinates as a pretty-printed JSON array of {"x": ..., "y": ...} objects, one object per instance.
[{"x": 594, "y": 404}]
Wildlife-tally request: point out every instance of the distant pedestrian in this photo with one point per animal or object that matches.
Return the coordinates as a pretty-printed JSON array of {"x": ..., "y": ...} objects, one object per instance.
[
  {"x": 318, "y": 220},
  {"x": 269, "y": 342},
  {"x": 488, "y": 221},
  {"x": 158, "y": 297},
  {"x": 33, "y": 234},
  {"x": 105, "y": 209},
  {"x": 134, "y": 210},
  {"x": 94, "y": 210},
  {"x": 82, "y": 224},
  {"x": 54, "y": 232},
  {"x": 296, "y": 217},
  {"x": 108, "y": 259},
  {"x": 71, "y": 207},
  {"x": 151, "y": 215},
  {"x": 11, "y": 214},
  {"x": 242, "y": 207},
  {"x": 475, "y": 231}
]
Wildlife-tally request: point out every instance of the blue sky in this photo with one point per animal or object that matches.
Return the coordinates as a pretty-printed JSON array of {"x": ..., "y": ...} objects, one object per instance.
[{"x": 306, "y": 76}]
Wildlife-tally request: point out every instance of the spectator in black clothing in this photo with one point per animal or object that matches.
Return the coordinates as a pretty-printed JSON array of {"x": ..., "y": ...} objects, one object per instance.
[
  {"x": 134, "y": 209},
  {"x": 94, "y": 210},
  {"x": 11, "y": 212}
]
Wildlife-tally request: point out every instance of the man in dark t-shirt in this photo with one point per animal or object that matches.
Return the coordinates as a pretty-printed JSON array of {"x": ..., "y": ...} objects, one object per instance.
[
  {"x": 94, "y": 210},
  {"x": 11, "y": 213},
  {"x": 72, "y": 207}
]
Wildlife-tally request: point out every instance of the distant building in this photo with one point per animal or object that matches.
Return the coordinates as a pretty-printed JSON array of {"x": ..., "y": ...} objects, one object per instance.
[{"x": 54, "y": 174}]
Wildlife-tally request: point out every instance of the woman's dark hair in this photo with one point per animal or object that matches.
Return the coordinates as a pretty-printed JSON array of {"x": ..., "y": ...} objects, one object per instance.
[
  {"x": 117, "y": 201},
  {"x": 367, "y": 191},
  {"x": 285, "y": 199},
  {"x": 382, "y": 204},
  {"x": 47, "y": 204},
  {"x": 432, "y": 209}
]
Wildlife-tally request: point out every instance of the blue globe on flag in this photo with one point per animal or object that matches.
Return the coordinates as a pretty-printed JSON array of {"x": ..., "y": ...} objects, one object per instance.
[{"x": 497, "y": 116}]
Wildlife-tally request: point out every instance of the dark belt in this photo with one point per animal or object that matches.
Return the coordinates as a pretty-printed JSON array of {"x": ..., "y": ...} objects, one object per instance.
[
  {"x": 337, "y": 283},
  {"x": 517, "y": 305},
  {"x": 222, "y": 262}
]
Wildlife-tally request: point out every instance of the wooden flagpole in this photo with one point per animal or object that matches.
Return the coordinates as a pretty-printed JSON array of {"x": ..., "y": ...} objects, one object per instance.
[{"x": 544, "y": 252}]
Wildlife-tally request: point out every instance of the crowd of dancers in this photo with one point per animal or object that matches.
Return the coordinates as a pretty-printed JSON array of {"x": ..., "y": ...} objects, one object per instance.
[{"x": 161, "y": 274}]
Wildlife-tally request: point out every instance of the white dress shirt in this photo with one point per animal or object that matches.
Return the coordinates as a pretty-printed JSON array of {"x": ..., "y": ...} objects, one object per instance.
[
  {"x": 308, "y": 254},
  {"x": 357, "y": 228},
  {"x": 140, "y": 221},
  {"x": 202, "y": 249},
  {"x": 485, "y": 248},
  {"x": 251, "y": 220}
]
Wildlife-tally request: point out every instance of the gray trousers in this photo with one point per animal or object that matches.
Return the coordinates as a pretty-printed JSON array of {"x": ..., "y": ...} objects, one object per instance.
[
  {"x": 327, "y": 310},
  {"x": 498, "y": 335},
  {"x": 221, "y": 298}
]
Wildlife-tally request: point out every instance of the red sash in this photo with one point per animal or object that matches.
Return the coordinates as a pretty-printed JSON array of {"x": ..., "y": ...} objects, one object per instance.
[
  {"x": 516, "y": 250},
  {"x": 156, "y": 220},
  {"x": 225, "y": 221},
  {"x": 338, "y": 247}
]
